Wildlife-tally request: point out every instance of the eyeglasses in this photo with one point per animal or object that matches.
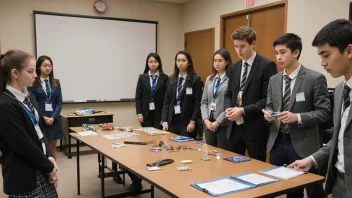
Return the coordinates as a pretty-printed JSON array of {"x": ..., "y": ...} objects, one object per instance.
[{"x": 46, "y": 66}]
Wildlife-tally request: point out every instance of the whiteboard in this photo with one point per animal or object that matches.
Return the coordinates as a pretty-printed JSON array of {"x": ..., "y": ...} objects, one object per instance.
[{"x": 95, "y": 58}]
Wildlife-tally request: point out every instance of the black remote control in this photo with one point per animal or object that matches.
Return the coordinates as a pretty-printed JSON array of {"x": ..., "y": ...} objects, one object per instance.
[
  {"x": 139, "y": 143},
  {"x": 161, "y": 163}
]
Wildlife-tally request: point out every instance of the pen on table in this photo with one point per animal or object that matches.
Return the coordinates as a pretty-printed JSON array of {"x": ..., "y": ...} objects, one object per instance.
[{"x": 205, "y": 190}]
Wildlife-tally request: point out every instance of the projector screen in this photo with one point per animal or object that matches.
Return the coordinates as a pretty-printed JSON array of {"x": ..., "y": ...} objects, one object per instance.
[{"x": 95, "y": 58}]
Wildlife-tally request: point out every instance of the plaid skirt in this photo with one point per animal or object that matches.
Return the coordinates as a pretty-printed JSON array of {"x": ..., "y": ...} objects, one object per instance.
[{"x": 44, "y": 189}]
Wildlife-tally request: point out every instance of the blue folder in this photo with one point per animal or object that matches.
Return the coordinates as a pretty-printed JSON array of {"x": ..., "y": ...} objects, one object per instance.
[
  {"x": 181, "y": 139},
  {"x": 234, "y": 178}
]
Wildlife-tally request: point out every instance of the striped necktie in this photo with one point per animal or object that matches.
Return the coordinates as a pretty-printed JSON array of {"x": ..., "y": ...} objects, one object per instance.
[
  {"x": 29, "y": 104},
  {"x": 179, "y": 86},
  {"x": 154, "y": 78},
  {"x": 346, "y": 97},
  {"x": 286, "y": 101},
  {"x": 244, "y": 76}
]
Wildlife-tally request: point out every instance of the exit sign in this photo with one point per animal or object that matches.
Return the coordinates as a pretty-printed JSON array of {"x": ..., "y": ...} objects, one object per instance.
[{"x": 249, "y": 2}]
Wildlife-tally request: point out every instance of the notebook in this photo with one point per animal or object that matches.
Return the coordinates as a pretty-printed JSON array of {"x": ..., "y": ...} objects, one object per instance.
[
  {"x": 237, "y": 159},
  {"x": 181, "y": 139},
  {"x": 282, "y": 172}
]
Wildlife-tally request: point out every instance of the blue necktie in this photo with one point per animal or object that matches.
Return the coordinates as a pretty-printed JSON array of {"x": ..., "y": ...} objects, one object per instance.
[
  {"x": 179, "y": 86},
  {"x": 48, "y": 90},
  {"x": 154, "y": 78},
  {"x": 217, "y": 84}
]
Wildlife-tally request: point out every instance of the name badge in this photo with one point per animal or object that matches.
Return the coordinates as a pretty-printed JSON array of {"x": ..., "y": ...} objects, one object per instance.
[
  {"x": 48, "y": 106},
  {"x": 213, "y": 106},
  {"x": 178, "y": 108},
  {"x": 300, "y": 97},
  {"x": 151, "y": 106},
  {"x": 189, "y": 91},
  {"x": 39, "y": 132}
]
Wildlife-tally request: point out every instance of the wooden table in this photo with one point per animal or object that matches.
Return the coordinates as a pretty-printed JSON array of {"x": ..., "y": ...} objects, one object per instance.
[
  {"x": 69, "y": 120},
  {"x": 177, "y": 183}
]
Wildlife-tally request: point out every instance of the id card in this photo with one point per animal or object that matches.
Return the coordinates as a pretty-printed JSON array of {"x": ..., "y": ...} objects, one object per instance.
[
  {"x": 48, "y": 106},
  {"x": 177, "y": 109},
  {"x": 151, "y": 106},
  {"x": 213, "y": 106},
  {"x": 300, "y": 97},
  {"x": 189, "y": 91},
  {"x": 39, "y": 131}
]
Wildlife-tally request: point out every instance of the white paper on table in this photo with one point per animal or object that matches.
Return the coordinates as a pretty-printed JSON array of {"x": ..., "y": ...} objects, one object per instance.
[
  {"x": 283, "y": 172},
  {"x": 223, "y": 186},
  {"x": 256, "y": 179},
  {"x": 86, "y": 133}
]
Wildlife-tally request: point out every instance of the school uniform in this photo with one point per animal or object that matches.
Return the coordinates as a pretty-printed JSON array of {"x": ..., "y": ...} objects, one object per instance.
[
  {"x": 182, "y": 104},
  {"x": 25, "y": 151},
  {"x": 212, "y": 108},
  {"x": 150, "y": 94},
  {"x": 49, "y": 99}
]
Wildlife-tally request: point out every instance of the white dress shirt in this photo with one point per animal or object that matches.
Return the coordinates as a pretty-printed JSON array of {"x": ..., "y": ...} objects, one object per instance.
[
  {"x": 293, "y": 77},
  {"x": 150, "y": 78},
  {"x": 250, "y": 63},
  {"x": 340, "y": 163}
]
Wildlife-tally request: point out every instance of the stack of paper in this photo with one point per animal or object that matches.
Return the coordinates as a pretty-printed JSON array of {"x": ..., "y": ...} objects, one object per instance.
[
  {"x": 86, "y": 133},
  {"x": 282, "y": 172},
  {"x": 152, "y": 131}
]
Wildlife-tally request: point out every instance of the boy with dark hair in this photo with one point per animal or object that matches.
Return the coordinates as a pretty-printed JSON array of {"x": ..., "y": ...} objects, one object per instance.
[
  {"x": 334, "y": 43},
  {"x": 297, "y": 102}
]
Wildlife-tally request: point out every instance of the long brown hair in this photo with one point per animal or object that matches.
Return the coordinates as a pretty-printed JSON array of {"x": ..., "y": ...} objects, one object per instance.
[
  {"x": 226, "y": 55},
  {"x": 190, "y": 68},
  {"x": 12, "y": 59},
  {"x": 40, "y": 61}
]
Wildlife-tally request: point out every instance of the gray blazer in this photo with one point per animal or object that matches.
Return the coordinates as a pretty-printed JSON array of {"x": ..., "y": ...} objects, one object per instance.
[
  {"x": 328, "y": 154},
  {"x": 207, "y": 99},
  {"x": 315, "y": 109}
]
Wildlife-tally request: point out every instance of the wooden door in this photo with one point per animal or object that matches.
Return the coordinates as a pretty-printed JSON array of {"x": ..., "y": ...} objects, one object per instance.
[
  {"x": 269, "y": 22},
  {"x": 201, "y": 45}
]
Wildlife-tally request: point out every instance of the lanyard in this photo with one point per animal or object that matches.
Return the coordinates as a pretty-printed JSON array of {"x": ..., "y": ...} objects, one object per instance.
[
  {"x": 215, "y": 94},
  {"x": 30, "y": 114},
  {"x": 48, "y": 95}
]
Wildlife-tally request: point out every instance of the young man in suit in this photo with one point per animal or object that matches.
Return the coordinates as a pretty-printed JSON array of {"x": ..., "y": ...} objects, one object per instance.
[
  {"x": 300, "y": 96},
  {"x": 246, "y": 96},
  {"x": 334, "y": 43}
]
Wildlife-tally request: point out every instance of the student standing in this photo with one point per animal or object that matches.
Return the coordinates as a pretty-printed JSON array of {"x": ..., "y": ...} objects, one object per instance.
[
  {"x": 334, "y": 43},
  {"x": 29, "y": 169},
  {"x": 246, "y": 97},
  {"x": 47, "y": 91},
  {"x": 150, "y": 92},
  {"x": 212, "y": 104},
  {"x": 182, "y": 99},
  {"x": 301, "y": 97}
]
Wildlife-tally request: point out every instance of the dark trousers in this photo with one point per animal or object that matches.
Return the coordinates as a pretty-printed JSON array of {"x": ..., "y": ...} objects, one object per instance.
[
  {"x": 217, "y": 138},
  {"x": 181, "y": 129},
  {"x": 151, "y": 121},
  {"x": 239, "y": 141},
  {"x": 284, "y": 153}
]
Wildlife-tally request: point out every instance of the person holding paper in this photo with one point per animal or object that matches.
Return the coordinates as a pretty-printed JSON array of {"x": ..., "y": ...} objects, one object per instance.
[
  {"x": 150, "y": 92},
  {"x": 28, "y": 166},
  {"x": 246, "y": 96},
  {"x": 300, "y": 95},
  {"x": 182, "y": 99},
  {"x": 212, "y": 104},
  {"x": 334, "y": 44},
  {"x": 47, "y": 91}
]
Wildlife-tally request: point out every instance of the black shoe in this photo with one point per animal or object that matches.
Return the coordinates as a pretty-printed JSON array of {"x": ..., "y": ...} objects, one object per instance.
[
  {"x": 117, "y": 179},
  {"x": 135, "y": 188}
]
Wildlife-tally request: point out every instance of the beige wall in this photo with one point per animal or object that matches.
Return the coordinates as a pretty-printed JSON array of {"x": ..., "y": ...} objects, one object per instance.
[
  {"x": 304, "y": 18},
  {"x": 17, "y": 32}
]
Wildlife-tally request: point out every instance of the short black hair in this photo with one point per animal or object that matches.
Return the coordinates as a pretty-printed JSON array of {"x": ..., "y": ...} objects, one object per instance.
[
  {"x": 337, "y": 33},
  {"x": 292, "y": 41}
]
